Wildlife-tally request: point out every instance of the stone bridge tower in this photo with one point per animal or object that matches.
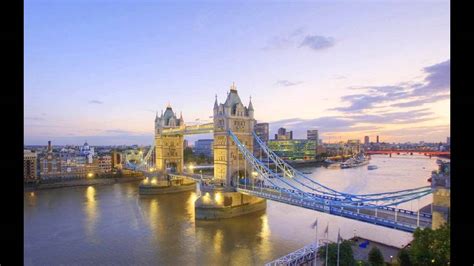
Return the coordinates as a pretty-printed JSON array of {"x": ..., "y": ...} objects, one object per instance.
[
  {"x": 168, "y": 148},
  {"x": 233, "y": 115}
]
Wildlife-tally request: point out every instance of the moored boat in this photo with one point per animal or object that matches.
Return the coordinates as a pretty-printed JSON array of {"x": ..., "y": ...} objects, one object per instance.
[{"x": 372, "y": 167}]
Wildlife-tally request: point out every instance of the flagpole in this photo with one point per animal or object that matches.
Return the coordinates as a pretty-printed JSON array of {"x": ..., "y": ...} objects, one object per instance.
[
  {"x": 338, "y": 244},
  {"x": 316, "y": 250},
  {"x": 327, "y": 243}
]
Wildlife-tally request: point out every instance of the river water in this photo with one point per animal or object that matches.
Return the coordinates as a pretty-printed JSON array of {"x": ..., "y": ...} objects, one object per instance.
[{"x": 113, "y": 225}]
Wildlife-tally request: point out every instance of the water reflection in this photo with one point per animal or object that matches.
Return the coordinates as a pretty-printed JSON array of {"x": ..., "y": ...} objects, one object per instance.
[
  {"x": 92, "y": 214},
  {"x": 245, "y": 240},
  {"x": 162, "y": 230}
]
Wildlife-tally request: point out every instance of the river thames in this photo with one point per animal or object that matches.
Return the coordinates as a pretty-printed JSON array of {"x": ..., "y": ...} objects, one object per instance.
[{"x": 113, "y": 225}]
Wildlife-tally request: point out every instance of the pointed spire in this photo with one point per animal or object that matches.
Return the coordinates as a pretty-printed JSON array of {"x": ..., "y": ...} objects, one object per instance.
[
  {"x": 250, "y": 104},
  {"x": 233, "y": 87},
  {"x": 216, "y": 105}
]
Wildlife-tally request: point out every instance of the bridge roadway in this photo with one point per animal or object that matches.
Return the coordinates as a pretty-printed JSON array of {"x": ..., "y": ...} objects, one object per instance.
[
  {"x": 404, "y": 220},
  {"x": 400, "y": 219}
]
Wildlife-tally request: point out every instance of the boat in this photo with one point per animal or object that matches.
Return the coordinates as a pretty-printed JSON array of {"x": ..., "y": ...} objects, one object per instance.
[
  {"x": 358, "y": 160},
  {"x": 372, "y": 167},
  {"x": 307, "y": 173}
]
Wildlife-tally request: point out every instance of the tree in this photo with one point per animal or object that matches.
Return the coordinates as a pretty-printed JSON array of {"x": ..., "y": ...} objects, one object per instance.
[
  {"x": 431, "y": 247},
  {"x": 404, "y": 258},
  {"x": 376, "y": 257},
  {"x": 346, "y": 257}
]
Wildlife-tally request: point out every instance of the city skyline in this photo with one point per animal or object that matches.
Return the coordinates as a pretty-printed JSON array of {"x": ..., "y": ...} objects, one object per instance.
[{"x": 348, "y": 74}]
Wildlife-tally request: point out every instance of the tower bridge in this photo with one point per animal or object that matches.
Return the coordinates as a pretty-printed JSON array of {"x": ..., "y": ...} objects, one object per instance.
[{"x": 241, "y": 182}]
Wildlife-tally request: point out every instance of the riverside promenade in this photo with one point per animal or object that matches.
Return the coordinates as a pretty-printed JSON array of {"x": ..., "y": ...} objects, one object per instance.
[{"x": 82, "y": 182}]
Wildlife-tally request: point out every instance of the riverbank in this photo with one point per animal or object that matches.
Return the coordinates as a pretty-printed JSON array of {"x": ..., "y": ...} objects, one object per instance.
[{"x": 82, "y": 182}]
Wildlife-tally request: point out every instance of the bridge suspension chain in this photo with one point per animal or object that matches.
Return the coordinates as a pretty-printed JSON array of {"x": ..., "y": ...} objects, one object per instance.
[
  {"x": 285, "y": 167},
  {"x": 338, "y": 200}
]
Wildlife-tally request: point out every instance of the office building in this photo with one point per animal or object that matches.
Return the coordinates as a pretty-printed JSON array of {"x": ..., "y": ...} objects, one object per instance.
[
  {"x": 50, "y": 166},
  {"x": 262, "y": 131},
  {"x": 366, "y": 140},
  {"x": 312, "y": 134},
  {"x": 377, "y": 138},
  {"x": 29, "y": 165},
  {"x": 105, "y": 163},
  {"x": 300, "y": 149},
  {"x": 204, "y": 147},
  {"x": 283, "y": 134}
]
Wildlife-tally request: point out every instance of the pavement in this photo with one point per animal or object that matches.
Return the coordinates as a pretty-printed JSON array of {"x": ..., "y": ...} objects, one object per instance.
[{"x": 362, "y": 253}]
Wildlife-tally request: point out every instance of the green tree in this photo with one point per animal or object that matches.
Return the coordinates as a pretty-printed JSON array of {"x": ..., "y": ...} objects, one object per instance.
[
  {"x": 346, "y": 257},
  {"x": 431, "y": 247},
  {"x": 376, "y": 257},
  {"x": 404, "y": 258}
]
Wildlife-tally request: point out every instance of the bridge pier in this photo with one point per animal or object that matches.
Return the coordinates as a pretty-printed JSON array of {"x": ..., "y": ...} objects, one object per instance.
[
  {"x": 223, "y": 202},
  {"x": 164, "y": 184}
]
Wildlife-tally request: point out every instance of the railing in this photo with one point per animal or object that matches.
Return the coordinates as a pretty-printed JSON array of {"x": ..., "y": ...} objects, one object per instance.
[
  {"x": 303, "y": 255},
  {"x": 267, "y": 192}
]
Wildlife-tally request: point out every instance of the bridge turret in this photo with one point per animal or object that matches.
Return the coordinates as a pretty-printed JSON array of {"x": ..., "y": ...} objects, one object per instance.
[
  {"x": 250, "y": 108},
  {"x": 216, "y": 106}
]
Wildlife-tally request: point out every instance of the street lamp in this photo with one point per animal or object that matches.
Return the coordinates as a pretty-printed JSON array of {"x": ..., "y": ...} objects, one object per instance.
[
  {"x": 90, "y": 175},
  {"x": 391, "y": 258}
]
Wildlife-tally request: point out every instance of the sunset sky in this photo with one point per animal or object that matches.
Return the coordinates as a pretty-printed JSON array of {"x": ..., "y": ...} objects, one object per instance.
[{"x": 99, "y": 70}]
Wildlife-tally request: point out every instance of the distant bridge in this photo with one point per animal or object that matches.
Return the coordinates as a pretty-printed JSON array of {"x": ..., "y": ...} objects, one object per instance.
[{"x": 424, "y": 152}]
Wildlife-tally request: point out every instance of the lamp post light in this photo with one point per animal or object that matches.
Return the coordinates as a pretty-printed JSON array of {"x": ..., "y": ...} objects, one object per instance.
[{"x": 391, "y": 258}]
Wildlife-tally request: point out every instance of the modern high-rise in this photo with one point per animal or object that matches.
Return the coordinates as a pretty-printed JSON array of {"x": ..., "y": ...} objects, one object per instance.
[
  {"x": 312, "y": 134},
  {"x": 204, "y": 147},
  {"x": 377, "y": 138},
  {"x": 29, "y": 165},
  {"x": 262, "y": 131},
  {"x": 366, "y": 140},
  {"x": 283, "y": 135}
]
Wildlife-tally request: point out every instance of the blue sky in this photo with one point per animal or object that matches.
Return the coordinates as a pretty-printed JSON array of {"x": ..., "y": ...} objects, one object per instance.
[{"x": 99, "y": 70}]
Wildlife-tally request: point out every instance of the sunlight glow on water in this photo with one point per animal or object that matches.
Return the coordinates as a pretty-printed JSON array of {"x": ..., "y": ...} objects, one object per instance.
[{"x": 112, "y": 224}]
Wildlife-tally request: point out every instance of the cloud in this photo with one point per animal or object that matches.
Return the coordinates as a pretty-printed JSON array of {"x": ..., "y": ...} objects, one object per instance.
[
  {"x": 435, "y": 87},
  {"x": 428, "y": 99},
  {"x": 298, "y": 39},
  {"x": 317, "y": 42},
  {"x": 287, "y": 83},
  {"x": 438, "y": 79},
  {"x": 95, "y": 102},
  {"x": 351, "y": 123}
]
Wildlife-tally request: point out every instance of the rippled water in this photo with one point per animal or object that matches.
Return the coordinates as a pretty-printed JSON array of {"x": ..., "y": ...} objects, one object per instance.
[{"x": 113, "y": 225}]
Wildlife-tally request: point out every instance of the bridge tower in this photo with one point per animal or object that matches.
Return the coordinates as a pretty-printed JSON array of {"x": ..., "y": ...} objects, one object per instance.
[
  {"x": 233, "y": 115},
  {"x": 169, "y": 148}
]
